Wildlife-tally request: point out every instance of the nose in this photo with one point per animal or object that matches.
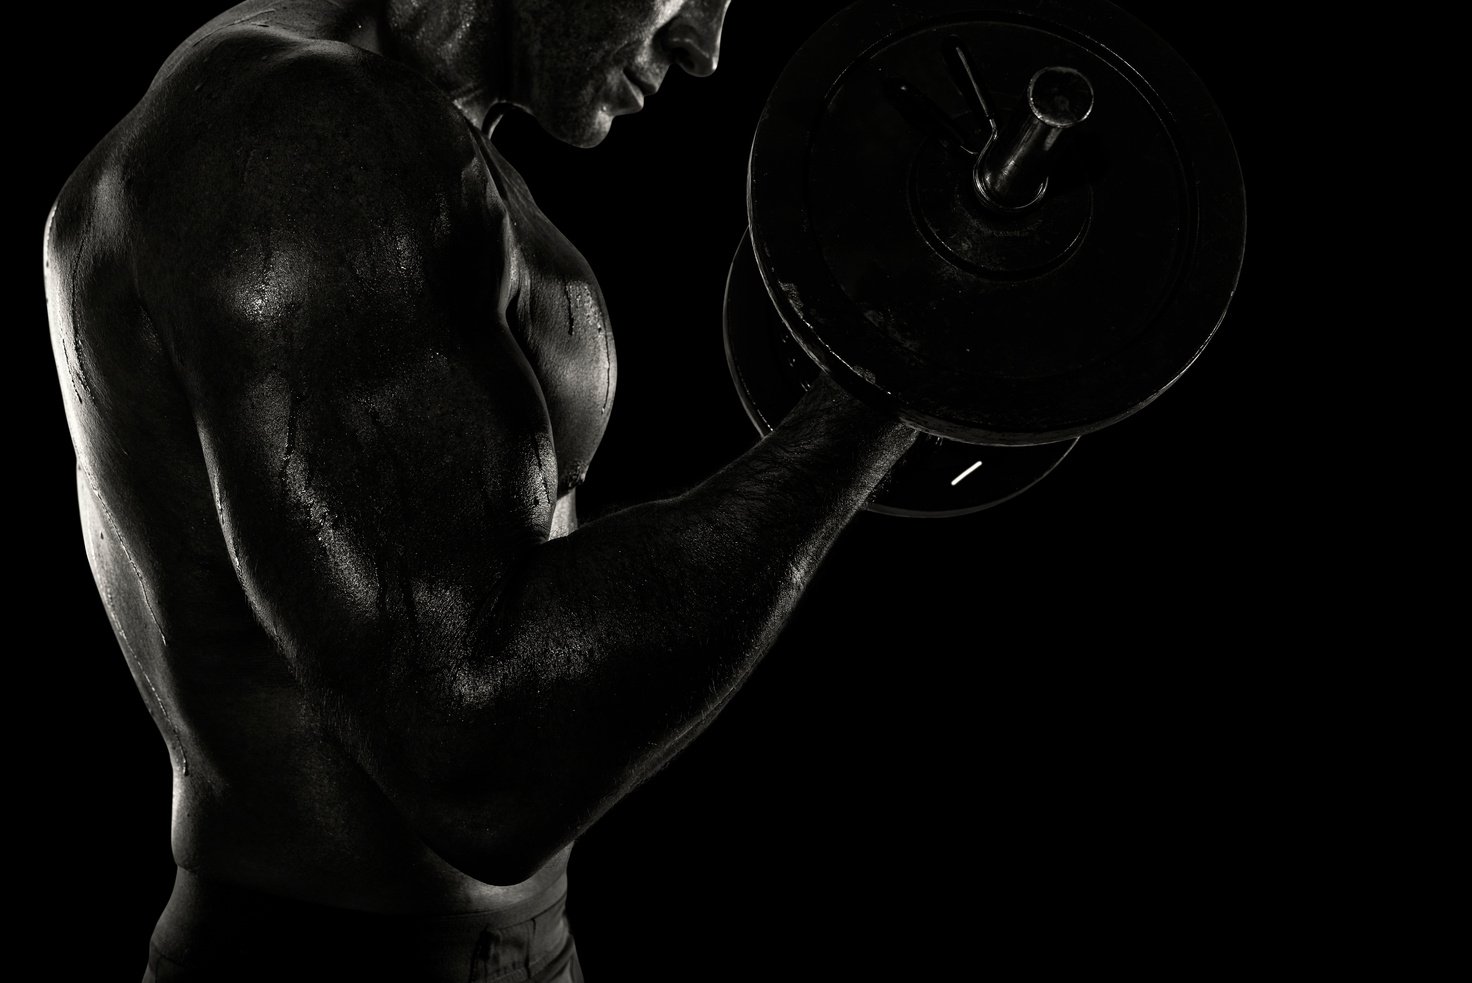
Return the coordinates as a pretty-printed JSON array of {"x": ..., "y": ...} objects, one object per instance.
[{"x": 693, "y": 37}]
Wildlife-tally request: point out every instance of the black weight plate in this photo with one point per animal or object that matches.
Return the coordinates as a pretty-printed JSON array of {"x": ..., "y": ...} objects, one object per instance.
[
  {"x": 865, "y": 249},
  {"x": 936, "y": 478}
]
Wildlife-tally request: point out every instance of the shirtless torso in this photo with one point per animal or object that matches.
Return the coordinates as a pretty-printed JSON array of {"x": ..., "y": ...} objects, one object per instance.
[
  {"x": 333, "y": 380},
  {"x": 254, "y": 781}
]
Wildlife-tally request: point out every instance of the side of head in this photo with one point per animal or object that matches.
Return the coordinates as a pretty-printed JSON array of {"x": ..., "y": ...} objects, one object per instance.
[
  {"x": 587, "y": 61},
  {"x": 572, "y": 64}
]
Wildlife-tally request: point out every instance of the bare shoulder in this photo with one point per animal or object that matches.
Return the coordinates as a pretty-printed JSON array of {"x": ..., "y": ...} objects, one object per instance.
[
  {"x": 251, "y": 138},
  {"x": 268, "y": 179},
  {"x": 238, "y": 97},
  {"x": 280, "y": 121}
]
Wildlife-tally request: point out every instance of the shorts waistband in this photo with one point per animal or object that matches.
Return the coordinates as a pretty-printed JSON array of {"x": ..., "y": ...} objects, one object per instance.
[{"x": 213, "y": 930}]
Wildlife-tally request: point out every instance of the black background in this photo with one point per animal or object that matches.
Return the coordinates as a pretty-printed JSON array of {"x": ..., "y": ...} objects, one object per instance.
[{"x": 1042, "y": 733}]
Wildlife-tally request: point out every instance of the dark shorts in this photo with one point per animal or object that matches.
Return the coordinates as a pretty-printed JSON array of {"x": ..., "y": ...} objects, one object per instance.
[{"x": 217, "y": 933}]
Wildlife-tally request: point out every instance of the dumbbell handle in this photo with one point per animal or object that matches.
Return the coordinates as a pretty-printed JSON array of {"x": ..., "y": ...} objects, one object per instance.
[{"x": 1011, "y": 171}]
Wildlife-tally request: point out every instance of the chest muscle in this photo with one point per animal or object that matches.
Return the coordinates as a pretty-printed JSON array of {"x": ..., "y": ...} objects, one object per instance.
[{"x": 557, "y": 314}]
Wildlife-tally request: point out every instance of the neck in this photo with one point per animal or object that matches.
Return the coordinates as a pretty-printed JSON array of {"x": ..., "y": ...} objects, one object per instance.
[{"x": 464, "y": 46}]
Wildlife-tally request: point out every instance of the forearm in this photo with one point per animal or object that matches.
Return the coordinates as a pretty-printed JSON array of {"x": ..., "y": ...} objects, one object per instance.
[{"x": 647, "y": 617}]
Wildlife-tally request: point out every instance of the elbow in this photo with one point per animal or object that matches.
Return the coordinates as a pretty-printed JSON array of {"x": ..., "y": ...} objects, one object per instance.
[
  {"x": 490, "y": 842},
  {"x": 490, "y": 816},
  {"x": 471, "y": 779},
  {"x": 502, "y": 866}
]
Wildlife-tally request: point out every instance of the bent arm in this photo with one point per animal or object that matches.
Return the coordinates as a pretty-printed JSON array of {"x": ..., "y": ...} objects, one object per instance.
[
  {"x": 634, "y": 629},
  {"x": 381, "y": 458}
]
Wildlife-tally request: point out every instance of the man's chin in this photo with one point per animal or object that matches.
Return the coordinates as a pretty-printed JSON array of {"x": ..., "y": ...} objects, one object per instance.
[{"x": 585, "y": 133}]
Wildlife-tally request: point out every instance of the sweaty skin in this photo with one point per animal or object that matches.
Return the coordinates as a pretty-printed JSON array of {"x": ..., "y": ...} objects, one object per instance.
[{"x": 332, "y": 379}]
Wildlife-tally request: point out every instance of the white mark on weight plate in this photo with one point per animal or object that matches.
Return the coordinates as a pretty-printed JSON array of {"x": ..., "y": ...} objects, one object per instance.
[{"x": 963, "y": 475}]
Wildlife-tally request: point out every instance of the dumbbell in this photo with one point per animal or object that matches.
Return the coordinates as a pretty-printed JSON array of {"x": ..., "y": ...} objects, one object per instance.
[{"x": 1008, "y": 224}]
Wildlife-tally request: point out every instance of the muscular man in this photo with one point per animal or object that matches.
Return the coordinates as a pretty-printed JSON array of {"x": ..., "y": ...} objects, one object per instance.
[{"x": 333, "y": 381}]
